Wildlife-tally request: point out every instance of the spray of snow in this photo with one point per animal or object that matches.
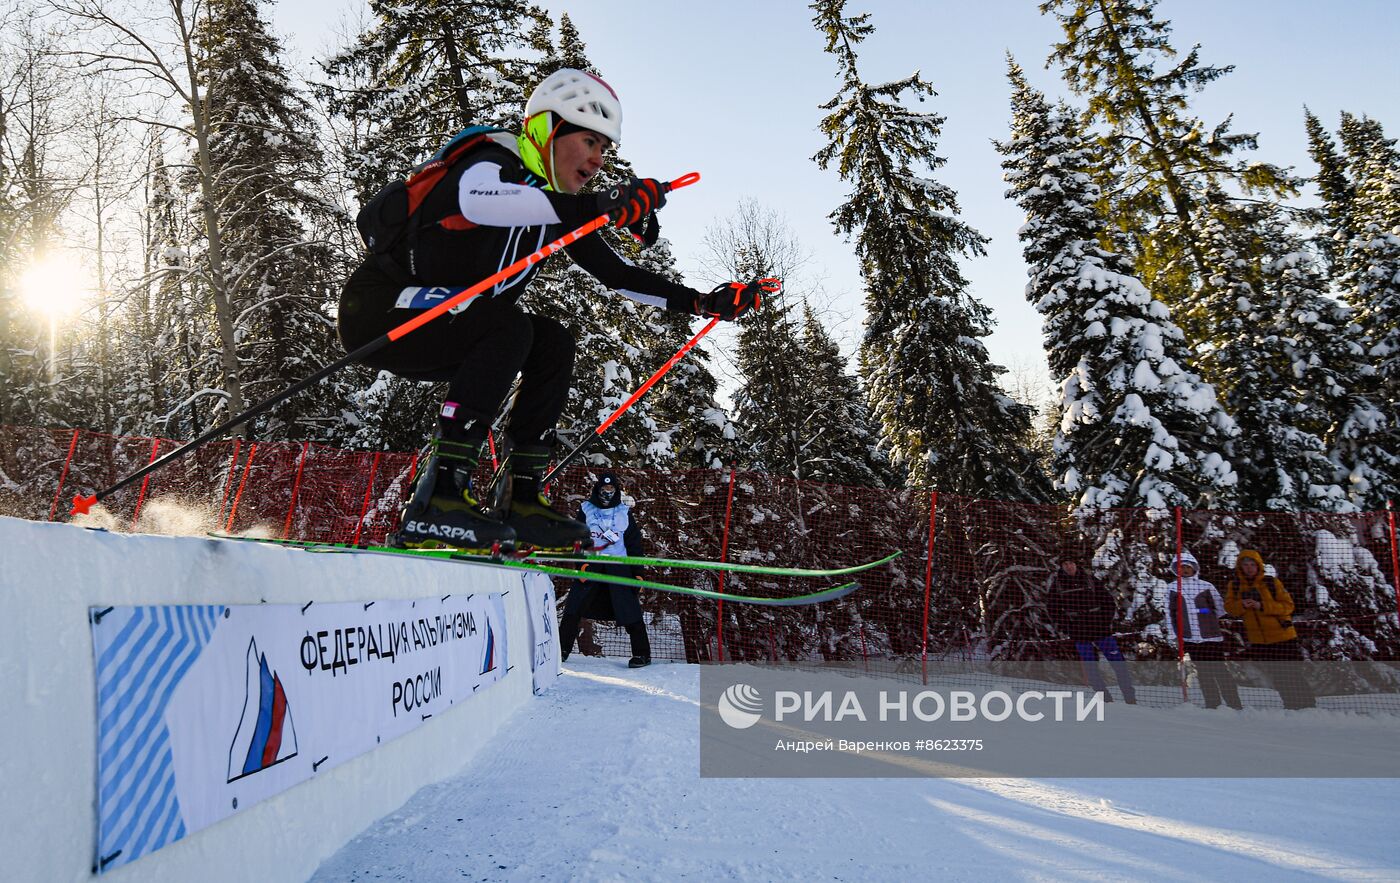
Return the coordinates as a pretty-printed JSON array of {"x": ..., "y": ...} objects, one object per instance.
[{"x": 171, "y": 517}]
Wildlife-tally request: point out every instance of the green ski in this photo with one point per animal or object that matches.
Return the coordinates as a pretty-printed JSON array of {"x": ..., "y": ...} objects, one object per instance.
[
  {"x": 828, "y": 594},
  {"x": 640, "y": 561}
]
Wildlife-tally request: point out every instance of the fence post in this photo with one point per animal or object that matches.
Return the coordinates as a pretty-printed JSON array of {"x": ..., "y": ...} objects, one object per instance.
[
  {"x": 723, "y": 556},
  {"x": 145, "y": 483},
  {"x": 296, "y": 489},
  {"x": 369, "y": 492},
  {"x": 1180, "y": 610},
  {"x": 63, "y": 476},
  {"x": 1394, "y": 554},
  {"x": 247, "y": 467},
  {"x": 228, "y": 480},
  {"x": 928, "y": 573}
]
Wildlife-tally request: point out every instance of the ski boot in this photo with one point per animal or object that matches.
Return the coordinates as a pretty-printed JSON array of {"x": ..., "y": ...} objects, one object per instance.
[
  {"x": 641, "y": 646},
  {"x": 536, "y": 522},
  {"x": 443, "y": 511}
]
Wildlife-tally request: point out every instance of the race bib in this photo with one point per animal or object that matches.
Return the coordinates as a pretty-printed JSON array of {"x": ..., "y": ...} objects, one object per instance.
[{"x": 424, "y": 298}]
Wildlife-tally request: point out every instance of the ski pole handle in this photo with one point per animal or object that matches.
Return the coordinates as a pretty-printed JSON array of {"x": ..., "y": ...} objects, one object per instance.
[{"x": 683, "y": 181}]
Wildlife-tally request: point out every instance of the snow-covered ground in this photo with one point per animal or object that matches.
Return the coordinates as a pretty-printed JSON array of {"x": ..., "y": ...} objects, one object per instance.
[{"x": 598, "y": 779}]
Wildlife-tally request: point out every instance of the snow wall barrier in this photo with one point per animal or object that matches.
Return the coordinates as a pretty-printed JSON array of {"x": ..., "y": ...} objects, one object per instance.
[{"x": 57, "y": 579}]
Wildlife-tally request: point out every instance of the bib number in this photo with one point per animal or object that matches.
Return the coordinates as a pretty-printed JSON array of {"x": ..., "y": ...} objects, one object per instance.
[{"x": 424, "y": 298}]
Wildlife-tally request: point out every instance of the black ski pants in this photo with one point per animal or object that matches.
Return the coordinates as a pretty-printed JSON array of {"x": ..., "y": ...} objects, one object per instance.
[
  {"x": 477, "y": 352},
  {"x": 1282, "y": 663},
  {"x": 590, "y": 600},
  {"x": 1216, "y": 682}
]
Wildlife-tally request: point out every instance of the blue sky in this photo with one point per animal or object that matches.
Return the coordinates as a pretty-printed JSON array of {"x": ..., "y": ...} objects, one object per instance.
[{"x": 731, "y": 89}]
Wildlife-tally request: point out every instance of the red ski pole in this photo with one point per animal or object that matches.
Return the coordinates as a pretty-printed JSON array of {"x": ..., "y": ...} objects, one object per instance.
[
  {"x": 769, "y": 285},
  {"x": 81, "y": 505}
]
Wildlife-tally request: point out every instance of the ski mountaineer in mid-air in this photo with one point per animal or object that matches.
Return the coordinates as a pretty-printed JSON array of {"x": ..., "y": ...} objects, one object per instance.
[{"x": 502, "y": 199}]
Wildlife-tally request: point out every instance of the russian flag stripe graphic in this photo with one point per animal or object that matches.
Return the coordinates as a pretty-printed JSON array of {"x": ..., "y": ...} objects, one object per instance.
[
  {"x": 279, "y": 709},
  {"x": 489, "y": 662},
  {"x": 266, "y": 734},
  {"x": 264, "y": 727}
]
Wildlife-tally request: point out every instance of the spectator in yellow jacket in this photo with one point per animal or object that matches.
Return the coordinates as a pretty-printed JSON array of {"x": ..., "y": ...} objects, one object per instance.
[{"x": 1267, "y": 610}]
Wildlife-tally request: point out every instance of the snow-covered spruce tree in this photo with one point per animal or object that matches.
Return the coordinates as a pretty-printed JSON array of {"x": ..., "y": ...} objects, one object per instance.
[
  {"x": 1372, "y": 281},
  {"x": 1118, "y": 56},
  {"x": 1136, "y": 428},
  {"x": 1297, "y": 360},
  {"x": 1336, "y": 383},
  {"x": 1252, "y": 358},
  {"x": 791, "y": 375},
  {"x": 264, "y": 156},
  {"x": 569, "y": 52},
  {"x": 772, "y": 403},
  {"x": 846, "y": 450},
  {"x": 1362, "y": 431},
  {"x": 1336, "y": 191},
  {"x": 932, "y": 386},
  {"x": 1354, "y": 596},
  {"x": 1331, "y": 377},
  {"x": 425, "y": 70},
  {"x": 1373, "y": 163}
]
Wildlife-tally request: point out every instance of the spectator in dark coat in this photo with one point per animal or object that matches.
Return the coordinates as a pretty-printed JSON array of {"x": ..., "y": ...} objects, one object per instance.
[{"x": 1083, "y": 610}]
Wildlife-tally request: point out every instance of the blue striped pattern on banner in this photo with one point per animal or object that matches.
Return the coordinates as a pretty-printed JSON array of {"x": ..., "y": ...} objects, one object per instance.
[{"x": 149, "y": 651}]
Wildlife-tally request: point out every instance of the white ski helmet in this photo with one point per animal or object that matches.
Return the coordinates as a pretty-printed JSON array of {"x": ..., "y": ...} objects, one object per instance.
[{"x": 579, "y": 98}]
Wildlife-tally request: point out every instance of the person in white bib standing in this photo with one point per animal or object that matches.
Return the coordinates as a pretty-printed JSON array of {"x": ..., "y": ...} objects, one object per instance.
[
  {"x": 615, "y": 531},
  {"x": 1194, "y": 608}
]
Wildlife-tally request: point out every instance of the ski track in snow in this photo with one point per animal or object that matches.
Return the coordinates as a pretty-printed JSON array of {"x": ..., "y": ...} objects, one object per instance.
[{"x": 598, "y": 780}]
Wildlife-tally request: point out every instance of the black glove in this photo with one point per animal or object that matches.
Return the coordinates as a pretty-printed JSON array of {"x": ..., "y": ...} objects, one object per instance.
[
  {"x": 729, "y": 300},
  {"x": 647, "y": 230},
  {"x": 627, "y": 204}
]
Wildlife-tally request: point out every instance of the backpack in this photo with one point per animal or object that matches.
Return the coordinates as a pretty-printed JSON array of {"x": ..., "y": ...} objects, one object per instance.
[{"x": 389, "y": 220}]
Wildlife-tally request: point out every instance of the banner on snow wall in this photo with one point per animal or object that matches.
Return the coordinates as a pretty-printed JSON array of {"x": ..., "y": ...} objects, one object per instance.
[
  {"x": 205, "y": 710},
  {"x": 544, "y": 631}
]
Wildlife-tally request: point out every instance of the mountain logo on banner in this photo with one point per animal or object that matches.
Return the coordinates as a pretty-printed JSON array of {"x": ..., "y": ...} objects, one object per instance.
[
  {"x": 265, "y": 735},
  {"x": 488, "y": 659},
  {"x": 547, "y": 616}
]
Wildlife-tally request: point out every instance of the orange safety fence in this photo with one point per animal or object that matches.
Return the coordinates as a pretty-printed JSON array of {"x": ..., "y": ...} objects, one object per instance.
[{"x": 971, "y": 584}]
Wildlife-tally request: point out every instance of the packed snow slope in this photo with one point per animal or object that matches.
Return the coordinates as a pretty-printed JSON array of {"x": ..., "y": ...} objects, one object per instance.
[{"x": 598, "y": 780}]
